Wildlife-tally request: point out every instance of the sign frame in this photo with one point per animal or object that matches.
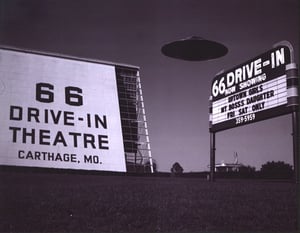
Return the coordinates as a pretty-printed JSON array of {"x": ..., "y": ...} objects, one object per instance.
[
  {"x": 253, "y": 91},
  {"x": 291, "y": 104}
]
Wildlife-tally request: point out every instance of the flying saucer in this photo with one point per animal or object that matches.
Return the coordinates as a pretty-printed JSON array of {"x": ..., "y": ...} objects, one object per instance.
[{"x": 194, "y": 49}]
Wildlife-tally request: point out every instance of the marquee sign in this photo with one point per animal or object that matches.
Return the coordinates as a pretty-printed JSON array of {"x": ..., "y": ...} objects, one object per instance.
[
  {"x": 59, "y": 113},
  {"x": 250, "y": 92}
]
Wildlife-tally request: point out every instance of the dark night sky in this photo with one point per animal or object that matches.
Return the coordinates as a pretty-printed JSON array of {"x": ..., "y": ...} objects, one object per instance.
[{"x": 176, "y": 92}]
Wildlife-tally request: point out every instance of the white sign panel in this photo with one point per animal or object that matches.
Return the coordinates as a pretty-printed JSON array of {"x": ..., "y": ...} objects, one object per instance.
[
  {"x": 243, "y": 106},
  {"x": 59, "y": 113}
]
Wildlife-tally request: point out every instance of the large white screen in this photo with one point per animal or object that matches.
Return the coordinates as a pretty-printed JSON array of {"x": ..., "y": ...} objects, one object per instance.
[{"x": 59, "y": 113}]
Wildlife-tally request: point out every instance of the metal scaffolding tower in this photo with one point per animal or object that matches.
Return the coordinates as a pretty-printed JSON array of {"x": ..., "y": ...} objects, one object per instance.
[{"x": 133, "y": 118}]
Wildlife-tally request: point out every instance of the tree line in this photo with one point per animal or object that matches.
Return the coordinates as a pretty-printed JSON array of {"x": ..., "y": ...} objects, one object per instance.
[{"x": 269, "y": 170}]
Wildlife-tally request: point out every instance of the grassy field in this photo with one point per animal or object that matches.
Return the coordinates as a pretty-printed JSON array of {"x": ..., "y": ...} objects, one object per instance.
[{"x": 89, "y": 203}]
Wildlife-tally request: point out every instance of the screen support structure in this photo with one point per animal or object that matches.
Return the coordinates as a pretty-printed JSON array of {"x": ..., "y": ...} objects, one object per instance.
[
  {"x": 134, "y": 123},
  {"x": 293, "y": 103}
]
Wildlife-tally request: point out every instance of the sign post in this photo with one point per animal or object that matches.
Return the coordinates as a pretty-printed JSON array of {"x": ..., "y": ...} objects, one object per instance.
[
  {"x": 295, "y": 117},
  {"x": 261, "y": 88},
  {"x": 293, "y": 102},
  {"x": 212, "y": 156}
]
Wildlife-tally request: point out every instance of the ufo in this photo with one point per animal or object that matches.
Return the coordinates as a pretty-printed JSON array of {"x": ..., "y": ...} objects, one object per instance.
[{"x": 194, "y": 48}]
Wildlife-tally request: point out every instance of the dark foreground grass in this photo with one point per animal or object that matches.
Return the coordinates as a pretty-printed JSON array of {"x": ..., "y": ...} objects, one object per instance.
[{"x": 91, "y": 203}]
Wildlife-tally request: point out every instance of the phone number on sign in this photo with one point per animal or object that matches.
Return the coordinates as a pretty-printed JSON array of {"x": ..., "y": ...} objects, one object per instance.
[{"x": 244, "y": 119}]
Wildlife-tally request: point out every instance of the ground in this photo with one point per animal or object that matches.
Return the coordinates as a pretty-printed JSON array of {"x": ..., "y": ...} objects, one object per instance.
[{"x": 43, "y": 202}]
